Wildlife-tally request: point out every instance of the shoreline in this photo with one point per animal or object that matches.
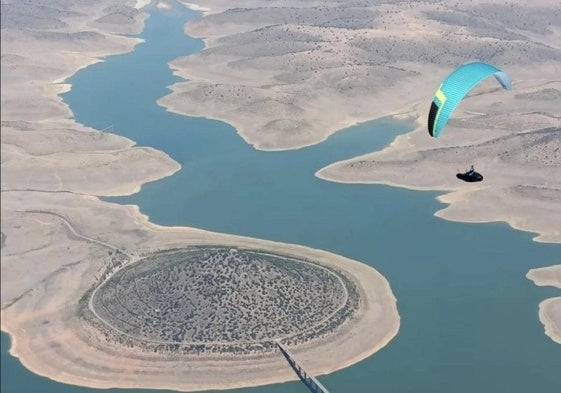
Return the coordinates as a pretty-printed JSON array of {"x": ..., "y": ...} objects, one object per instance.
[
  {"x": 195, "y": 7},
  {"x": 549, "y": 309}
]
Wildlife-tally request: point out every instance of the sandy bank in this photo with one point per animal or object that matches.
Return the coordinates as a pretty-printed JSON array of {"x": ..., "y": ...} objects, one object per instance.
[
  {"x": 549, "y": 309},
  {"x": 142, "y": 3}
]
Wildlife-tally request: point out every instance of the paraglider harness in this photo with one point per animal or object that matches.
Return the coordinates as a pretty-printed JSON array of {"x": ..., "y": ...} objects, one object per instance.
[{"x": 470, "y": 175}]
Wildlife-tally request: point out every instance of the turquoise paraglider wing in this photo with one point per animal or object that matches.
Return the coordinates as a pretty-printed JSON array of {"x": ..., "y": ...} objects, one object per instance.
[{"x": 455, "y": 87}]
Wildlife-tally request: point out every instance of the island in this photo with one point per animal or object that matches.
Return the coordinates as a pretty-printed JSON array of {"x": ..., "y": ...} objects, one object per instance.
[{"x": 206, "y": 300}]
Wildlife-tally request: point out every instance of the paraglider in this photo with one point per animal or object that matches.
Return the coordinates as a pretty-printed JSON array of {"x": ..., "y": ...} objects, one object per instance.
[
  {"x": 451, "y": 92},
  {"x": 455, "y": 87},
  {"x": 470, "y": 176}
]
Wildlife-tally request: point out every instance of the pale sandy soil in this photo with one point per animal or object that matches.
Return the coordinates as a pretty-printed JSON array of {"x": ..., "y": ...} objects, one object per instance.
[
  {"x": 141, "y": 3},
  {"x": 549, "y": 309},
  {"x": 57, "y": 235}
]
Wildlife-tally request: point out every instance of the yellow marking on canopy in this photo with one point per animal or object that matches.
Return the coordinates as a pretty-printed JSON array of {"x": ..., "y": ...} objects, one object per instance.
[
  {"x": 441, "y": 96},
  {"x": 442, "y": 99}
]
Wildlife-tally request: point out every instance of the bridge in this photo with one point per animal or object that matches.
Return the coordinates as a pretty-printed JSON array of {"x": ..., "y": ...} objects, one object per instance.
[{"x": 309, "y": 380}]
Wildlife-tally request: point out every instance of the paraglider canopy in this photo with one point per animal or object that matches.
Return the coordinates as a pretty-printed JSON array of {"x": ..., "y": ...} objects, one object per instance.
[{"x": 454, "y": 88}]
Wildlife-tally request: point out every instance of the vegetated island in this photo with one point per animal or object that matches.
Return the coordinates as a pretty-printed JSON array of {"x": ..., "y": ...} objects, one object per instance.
[{"x": 64, "y": 250}]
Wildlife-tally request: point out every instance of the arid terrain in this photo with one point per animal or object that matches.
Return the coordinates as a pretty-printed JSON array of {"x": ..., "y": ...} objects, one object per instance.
[{"x": 286, "y": 74}]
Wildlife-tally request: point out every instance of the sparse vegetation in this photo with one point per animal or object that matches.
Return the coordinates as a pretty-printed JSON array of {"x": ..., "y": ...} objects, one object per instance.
[{"x": 220, "y": 300}]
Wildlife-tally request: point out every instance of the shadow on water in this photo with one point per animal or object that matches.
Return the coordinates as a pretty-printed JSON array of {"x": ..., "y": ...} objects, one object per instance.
[{"x": 468, "y": 314}]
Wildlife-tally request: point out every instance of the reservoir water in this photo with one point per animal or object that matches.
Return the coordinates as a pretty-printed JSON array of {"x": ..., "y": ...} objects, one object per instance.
[{"x": 469, "y": 317}]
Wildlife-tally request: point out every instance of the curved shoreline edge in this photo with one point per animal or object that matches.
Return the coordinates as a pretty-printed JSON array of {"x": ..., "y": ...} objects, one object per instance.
[
  {"x": 549, "y": 309},
  {"x": 55, "y": 227}
]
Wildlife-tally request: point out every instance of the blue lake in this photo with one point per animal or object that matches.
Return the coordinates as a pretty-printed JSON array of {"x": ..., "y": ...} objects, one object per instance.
[{"x": 469, "y": 316}]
